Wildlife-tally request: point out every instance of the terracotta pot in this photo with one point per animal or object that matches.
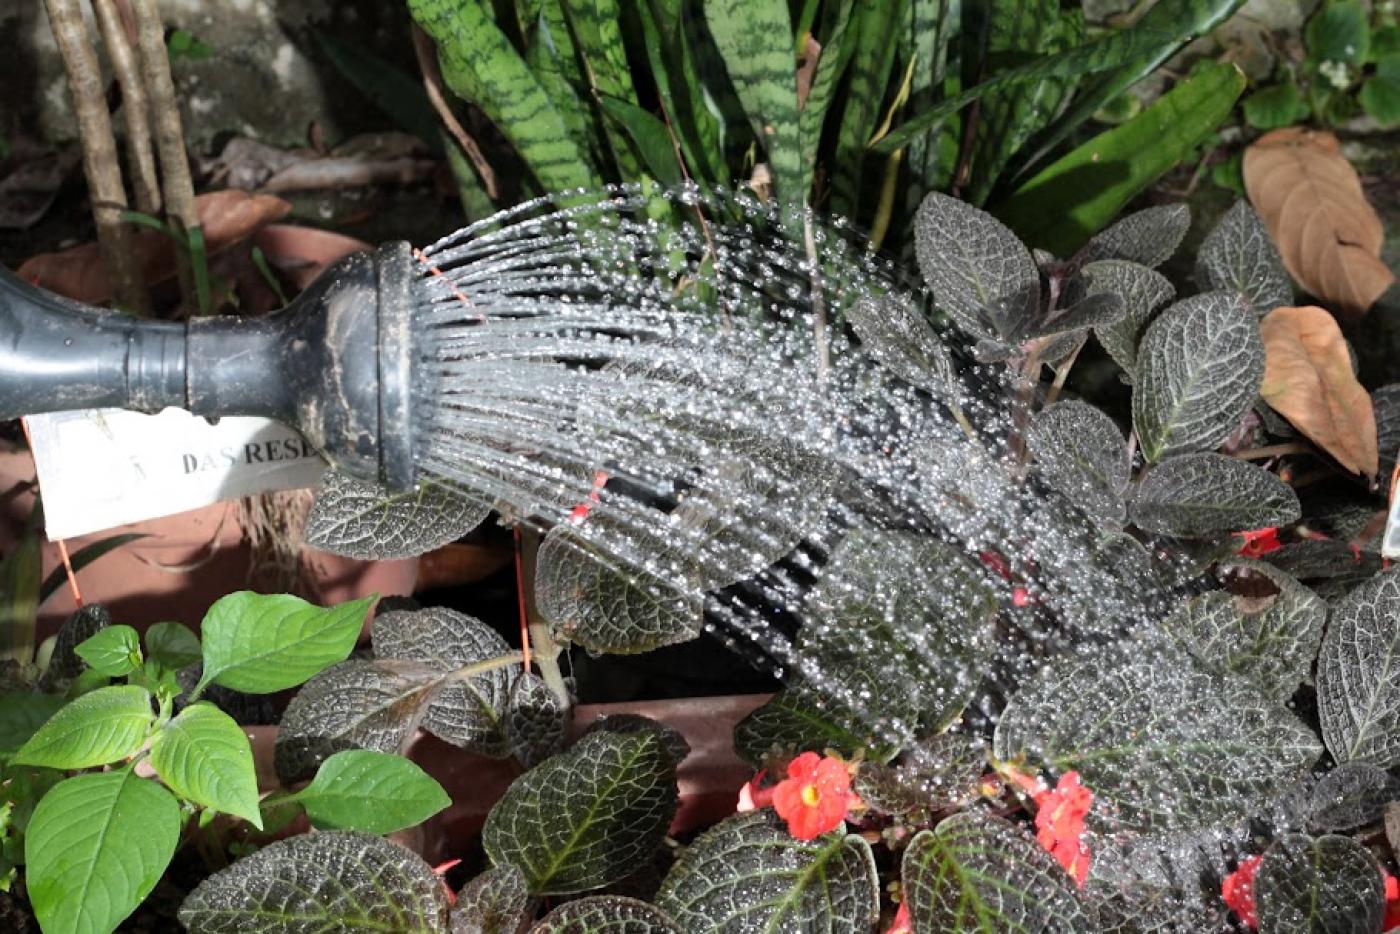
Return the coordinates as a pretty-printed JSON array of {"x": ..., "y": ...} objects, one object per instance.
[
  {"x": 188, "y": 561},
  {"x": 708, "y": 780}
]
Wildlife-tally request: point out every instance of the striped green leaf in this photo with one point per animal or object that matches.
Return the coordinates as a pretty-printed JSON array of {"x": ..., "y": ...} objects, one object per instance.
[
  {"x": 683, "y": 98},
  {"x": 872, "y": 37},
  {"x": 929, "y": 28},
  {"x": 555, "y": 63},
  {"x": 481, "y": 66},
  {"x": 835, "y": 56},
  {"x": 648, "y": 135},
  {"x": 597, "y": 27}
]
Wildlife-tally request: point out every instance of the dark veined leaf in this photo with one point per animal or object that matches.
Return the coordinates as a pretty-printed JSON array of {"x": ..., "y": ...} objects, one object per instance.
[
  {"x": 979, "y": 874},
  {"x": 899, "y": 336},
  {"x": 100, "y": 727},
  {"x": 21, "y": 714},
  {"x": 498, "y": 901},
  {"x": 1270, "y": 641},
  {"x": 1199, "y": 368},
  {"x": 939, "y": 772},
  {"x": 366, "y": 521},
  {"x": 335, "y": 881},
  {"x": 95, "y": 847},
  {"x": 64, "y": 663},
  {"x": 799, "y": 718},
  {"x": 204, "y": 756},
  {"x": 1385, "y": 401},
  {"x": 977, "y": 269},
  {"x": 1196, "y": 495},
  {"x": 586, "y": 817},
  {"x": 747, "y": 873},
  {"x": 606, "y": 914},
  {"x": 1144, "y": 292},
  {"x": 535, "y": 721},
  {"x": 375, "y": 792},
  {"x": 1351, "y": 795},
  {"x": 671, "y": 739},
  {"x": 1163, "y": 744},
  {"x": 1312, "y": 885},
  {"x": 1158, "y": 883},
  {"x": 1100, "y": 309},
  {"x": 1082, "y": 454},
  {"x": 1148, "y": 237},
  {"x": 1358, "y": 693},
  {"x": 1238, "y": 255}
]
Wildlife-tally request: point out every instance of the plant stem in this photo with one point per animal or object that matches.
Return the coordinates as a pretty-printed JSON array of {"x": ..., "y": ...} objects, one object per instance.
[
  {"x": 141, "y": 161},
  {"x": 547, "y": 660},
  {"x": 100, "y": 164},
  {"x": 1273, "y": 450},
  {"x": 482, "y": 667}
]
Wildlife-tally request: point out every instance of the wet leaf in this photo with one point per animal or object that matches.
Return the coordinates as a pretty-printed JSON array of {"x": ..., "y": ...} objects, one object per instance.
[
  {"x": 1350, "y": 796},
  {"x": 586, "y": 817},
  {"x": 1198, "y": 371},
  {"x": 1163, "y": 744},
  {"x": 1158, "y": 883},
  {"x": 1082, "y": 454},
  {"x": 100, "y": 727},
  {"x": 366, "y": 521},
  {"x": 606, "y": 914},
  {"x": 335, "y": 881},
  {"x": 1197, "y": 495},
  {"x": 495, "y": 902},
  {"x": 941, "y": 771},
  {"x": 1239, "y": 256},
  {"x": 359, "y": 789},
  {"x": 978, "y": 873},
  {"x": 1314, "y": 885},
  {"x": 1309, "y": 380},
  {"x": 979, "y": 272},
  {"x": 799, "y": 718},
  {"x": 1311, "y": 200},
  {"x": 1148, "y": 237},
  {"x": 1144, "y": 292},
  {"x": 203, "y": 756},
  {"x": 1358, "y": 693},
  {"x": 748, "y": 873},
  {"x": 899, "y": 336}
]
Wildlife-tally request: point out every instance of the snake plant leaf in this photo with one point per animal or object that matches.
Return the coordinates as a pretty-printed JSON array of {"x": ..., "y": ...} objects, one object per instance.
[
  {"x": 1350, "y": 796},
  {"x": 648, "y": 135},
  {"x": 898, "y": 335},
  {"x": 747, "y": 873},
  {"x": 482, "y": 67},
  {"x": 1144, "y": 292},
  {"x": 873, "y": 40},
  {"x": 1082, "y": 453},
  {"x": 203, "y": 756},
  {"x": 832, "y": 61},
  {"x": 979, "y": 874},
  {"x": 334, "y": 881},
  {"x": 495, "y": 902},
  {"x": 372, "y": 523},
  {"x": 1148, "y": 237},
  {"x": 940, "y": 772},
  {"x": 1358, "y": 695},
  {"x": 977, "y": 269},
  {"x": 553, "y": 58},
  {"x": 1164, "y": 745},
  {"x": 586, "y": 817},
  {"x": 1239, "y": 255},
  {"x": 606, "y": 914},
  {"x": 685, "y": 100},
  {"x": 98, "y": 728},
  {"x": 1309, "y": 885},
  {"x": 926, "y": 35},
  {"x": 375, "y": 792},
  {"x": 755, "y": 39},
  {"x": 1063, "y": 204},
  {"x": 1200, "y": 366},
  {"x": 96, "y": 846},
  {"x": 64, "y": 663},
  {"x": 81, "y": 558},
  {"x": 1270, "y": 641},
  {"x": 597, "y": 27},
  {"x": 1198, "y": 495},
  {"x": 19, "y": 596},
  {"x": 399, "y": 96}
]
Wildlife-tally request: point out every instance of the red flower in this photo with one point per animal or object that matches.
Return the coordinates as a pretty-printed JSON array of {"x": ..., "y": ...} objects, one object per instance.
[
  {"x": 1059, "y": 824},
  {"x": 1238, "y": 890},
  {"x": 814, "y": 797},
  {"x": 902, "y": 924},
  {"x": 1259, "y": 542},
  {"x": 1392, "y": 902}
]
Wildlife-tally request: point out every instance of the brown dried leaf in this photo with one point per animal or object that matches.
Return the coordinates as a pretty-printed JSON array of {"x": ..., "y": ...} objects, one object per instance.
[
  {"x": 1308, "y": 379},
  {"x": 1311, "y": 200}
]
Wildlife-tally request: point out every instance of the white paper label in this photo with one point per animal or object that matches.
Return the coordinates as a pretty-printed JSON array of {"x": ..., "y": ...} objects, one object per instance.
[{"x": 101, "y": 468}]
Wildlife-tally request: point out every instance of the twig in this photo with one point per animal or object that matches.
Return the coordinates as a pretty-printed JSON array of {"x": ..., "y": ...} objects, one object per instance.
[
  {"x": 145, "y": 185},
  {"x": 1273, "y": 450},
  {"x": 1062, "y": 374},
  {"x": 99, "y": 152},
  {"x": 432, "y": 83},
  {"x": 176, "y": 183}
]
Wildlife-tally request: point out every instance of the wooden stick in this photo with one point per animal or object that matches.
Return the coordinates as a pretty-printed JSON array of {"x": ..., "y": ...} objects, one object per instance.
[
  {"x": 100, "y": 164},
  {"x": 141, "y": 161}
]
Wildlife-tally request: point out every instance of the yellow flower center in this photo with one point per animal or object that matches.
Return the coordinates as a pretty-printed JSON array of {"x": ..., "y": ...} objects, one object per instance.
[{"x": 809, "y": 795}]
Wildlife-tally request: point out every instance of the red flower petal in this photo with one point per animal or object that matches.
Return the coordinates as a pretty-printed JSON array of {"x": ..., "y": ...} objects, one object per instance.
[{"x": 1238, "y": 891}]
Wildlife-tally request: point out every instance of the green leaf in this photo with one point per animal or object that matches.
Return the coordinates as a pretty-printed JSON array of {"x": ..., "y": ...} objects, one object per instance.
[
  {"x": 1275, "y": 106},
  {"x": 174, "y": 645},
  {"x": 684, "y": 99},
  {"x": 64, "y": 663},
  {"x": 101, "y": 727},
  {"x": 755, "y": 39},
  {"x": 1239, "y": 255},
  {"x": 335, "y": 881},
  {"x": 482, "y": 67},
  {"x": 1063, "y": 204},
  {"x": 95, "y": 848},
  {"x": 204, "y": 756},
  {"x": 114, "y": 651},
  {"x": 497, "y": 902},
  {"x": 372, "y": 523},
  {"x": 1198, "y": 495},
  {"x": 21, "y": 714},
  {"x": 606, "y": 914},
  {"x": 1380, "y": 95},
  {"x": 872, "y": 37},
  {"x": 649, "y": 135},
  {"x": 1312, "y": 885},
  {"x": 1163, "y": 744},
  {"x": 358, "y": 789},
  {"x": 586, "y": 817},
  {"x": 1143, "y": 291},
  {"x": 398, "y": 95},
  {"x": 1200, "y": 365},
  {"x": 1358, "y": 688},
  {"x": 1082, "y": 453},
  {"x": 978, "y": 873},
  {"x": 259, "y": 643},
  {"x": 597, "y": 27},
  {"x": 835, "y": 54},
  {"x": 1338, "y": 32},
  {"x": 979, "y": 272},
  {"x": 82, "y": 558},
  {"x": 747, "y": 873}
]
